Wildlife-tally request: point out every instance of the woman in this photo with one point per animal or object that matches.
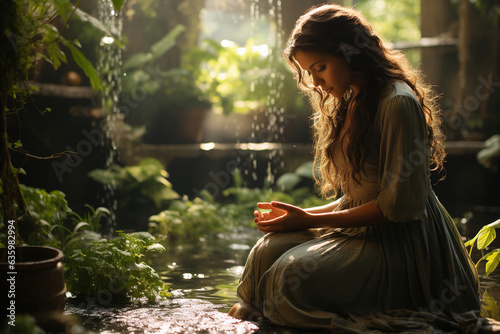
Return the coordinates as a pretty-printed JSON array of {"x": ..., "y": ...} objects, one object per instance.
[{"x": 386, "y": 254}]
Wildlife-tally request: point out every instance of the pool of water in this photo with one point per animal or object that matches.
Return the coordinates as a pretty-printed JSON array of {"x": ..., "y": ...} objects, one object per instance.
[{"x": 203, "y": 275}]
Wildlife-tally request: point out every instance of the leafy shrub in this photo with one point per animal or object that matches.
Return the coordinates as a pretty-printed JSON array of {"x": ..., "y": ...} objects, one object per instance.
[
  {"x": 115, "y": 269},
  {"x": 189, "y": 219},
  {"x": 94, "y": 267},
  {"x": 138, "y": 184}
]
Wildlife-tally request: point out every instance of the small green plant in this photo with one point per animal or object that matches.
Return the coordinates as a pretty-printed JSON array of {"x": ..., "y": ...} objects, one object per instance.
[
  {"x": 187, "y": 219},
  {"x": 483, "y": 239},
  {"x": 115, "y": 270}
]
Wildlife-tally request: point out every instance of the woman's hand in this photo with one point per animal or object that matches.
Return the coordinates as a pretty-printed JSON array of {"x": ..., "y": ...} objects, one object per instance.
[{"x": 282, "y": 217}]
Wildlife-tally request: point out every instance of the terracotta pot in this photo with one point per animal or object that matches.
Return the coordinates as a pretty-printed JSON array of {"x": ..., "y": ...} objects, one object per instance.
[
  {"x": 190, "y": 125},
  {"x": 36, "y": 283},
  {"x": 180, "y": 127}
]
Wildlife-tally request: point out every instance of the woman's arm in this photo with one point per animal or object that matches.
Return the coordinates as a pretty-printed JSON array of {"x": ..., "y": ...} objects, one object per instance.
[
  {"x": 289, "y": 217},
  {"x": 324, "y": 208}
]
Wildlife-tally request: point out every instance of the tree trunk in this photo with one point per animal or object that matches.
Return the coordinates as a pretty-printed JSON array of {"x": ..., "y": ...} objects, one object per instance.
[
  {"x": 7, "y": 193},
  {"x": 11, "y": 198}
]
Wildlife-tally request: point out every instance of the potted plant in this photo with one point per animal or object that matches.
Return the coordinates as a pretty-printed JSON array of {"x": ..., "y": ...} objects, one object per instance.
[{"x": 175, "y": 106}]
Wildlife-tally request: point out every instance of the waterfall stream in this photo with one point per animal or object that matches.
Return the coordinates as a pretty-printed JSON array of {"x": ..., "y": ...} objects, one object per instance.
[{"x": 109, "y": 67}]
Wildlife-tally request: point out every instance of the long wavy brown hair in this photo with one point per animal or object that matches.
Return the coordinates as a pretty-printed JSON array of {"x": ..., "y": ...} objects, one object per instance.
[{"x": 345, "y": 32}]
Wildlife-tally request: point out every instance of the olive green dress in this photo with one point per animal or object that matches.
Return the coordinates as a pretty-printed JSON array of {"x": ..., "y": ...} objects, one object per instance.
[{"x": 411, "y": 273}]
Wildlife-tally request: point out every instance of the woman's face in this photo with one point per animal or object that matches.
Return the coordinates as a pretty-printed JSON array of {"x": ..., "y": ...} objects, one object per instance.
[{"x": 331, "y": 73}]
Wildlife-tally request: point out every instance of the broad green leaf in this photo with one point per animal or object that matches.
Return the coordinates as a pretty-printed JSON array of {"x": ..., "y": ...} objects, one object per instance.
[
  {"x": 85, "y": 17},
  {"x": 305, "y": 170},
  {"x": 151, "y": 161},
  {"x": 19, "y": 171},
  {"x": 137, "y": 60},
  {"x": 167, "y": 42},
  {"x": 43, "y": 222},
  {"x": 493, "y": 259},
  {"x": 163, "y": 181},
  {"x": 62, "y": 7},
  {"x": 485, "y": 238},
  {"x": 157, "y": 50},
  {"x": 118, "y": 4},
  {"x": 104, "y": 176},
  {"x": 156, "y": 248},
  {"x": 80, "y": 225},
  {"x": 164, "y": 173},
  {"x": 139, "y": 266},
  {"x": 86, "y": 66},
  {"x": 56, "y": 55},
  {"x": 102, "y": 210},
  {"x": 288, "y": 181},
  {"x": 137, "y": 172},
  {"x": 142, "y": 235}
]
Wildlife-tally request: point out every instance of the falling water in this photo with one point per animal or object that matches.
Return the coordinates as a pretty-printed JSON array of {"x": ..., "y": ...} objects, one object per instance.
[
  {"x": 273, "y": 129},
  {"x": 109, "y": 67},
  {"x": 275, "y": 83}
]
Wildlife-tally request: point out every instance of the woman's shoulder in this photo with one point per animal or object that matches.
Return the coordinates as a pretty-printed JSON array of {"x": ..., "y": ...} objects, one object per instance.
[
  {"x": 397, "y": 88},
  {"x": 399, "y": 105}
]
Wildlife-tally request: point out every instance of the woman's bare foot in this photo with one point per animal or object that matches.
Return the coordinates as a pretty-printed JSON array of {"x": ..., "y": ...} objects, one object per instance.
[{"x": 245, "y": 311}]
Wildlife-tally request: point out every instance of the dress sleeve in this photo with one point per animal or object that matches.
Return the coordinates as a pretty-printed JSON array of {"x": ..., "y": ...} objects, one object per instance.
[{"x": 404, "y": 174}]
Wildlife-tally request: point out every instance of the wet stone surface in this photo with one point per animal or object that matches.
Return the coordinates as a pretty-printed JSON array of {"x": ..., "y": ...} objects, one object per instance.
[{"x": 179, "y": 315}]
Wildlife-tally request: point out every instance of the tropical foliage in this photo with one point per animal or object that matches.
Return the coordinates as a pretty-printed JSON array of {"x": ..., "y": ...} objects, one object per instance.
[{"x": 140, "y": 184}]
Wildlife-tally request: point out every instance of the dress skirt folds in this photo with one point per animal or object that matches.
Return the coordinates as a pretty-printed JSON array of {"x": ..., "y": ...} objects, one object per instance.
[{"x": 411, "y": 274}]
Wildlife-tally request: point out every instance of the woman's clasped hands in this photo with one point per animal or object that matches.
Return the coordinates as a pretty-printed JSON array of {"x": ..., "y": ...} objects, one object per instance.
[{"x": 283, "y": 217}]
